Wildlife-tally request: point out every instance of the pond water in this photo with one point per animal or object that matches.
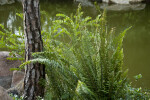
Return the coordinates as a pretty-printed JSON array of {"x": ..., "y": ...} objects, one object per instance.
[{"x": 136, "y": 44}]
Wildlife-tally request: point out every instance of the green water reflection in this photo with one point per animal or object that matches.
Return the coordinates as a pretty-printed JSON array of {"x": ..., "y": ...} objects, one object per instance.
[{"x": 136, "y": 43}]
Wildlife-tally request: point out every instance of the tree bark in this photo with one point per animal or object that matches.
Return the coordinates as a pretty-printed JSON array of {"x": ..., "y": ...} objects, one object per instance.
[{"x": 33, "y": 43}]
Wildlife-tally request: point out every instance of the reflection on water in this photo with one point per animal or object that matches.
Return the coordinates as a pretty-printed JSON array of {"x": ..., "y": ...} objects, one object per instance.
[
  {"x": 8, "y": 16},
  {"x": 136, "y": 43}
]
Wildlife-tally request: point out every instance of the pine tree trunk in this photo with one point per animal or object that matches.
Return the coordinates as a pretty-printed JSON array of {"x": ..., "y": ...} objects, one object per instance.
[{"x": 33, "y": 43}]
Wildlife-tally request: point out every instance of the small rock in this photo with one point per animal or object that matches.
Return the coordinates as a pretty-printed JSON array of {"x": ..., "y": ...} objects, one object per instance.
[
  {"x": 17, "y": 89},
  {"x": 2, "y": 2},
  {"x": 17, "y": 77},
  {"x": 117, "y": 1},
  {"x": 5, "y": 65},
  {"x": 85, "y": 2},
  {"x": 4, "y": 95},
  {"x": 5, "y": 81},
  {"x": 122, "y": 7},
  {"x": 123, "y": 1}
]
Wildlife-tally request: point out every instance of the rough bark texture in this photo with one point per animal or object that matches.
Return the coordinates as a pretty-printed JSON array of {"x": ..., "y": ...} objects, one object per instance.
[{"x": 33, "y": 43}]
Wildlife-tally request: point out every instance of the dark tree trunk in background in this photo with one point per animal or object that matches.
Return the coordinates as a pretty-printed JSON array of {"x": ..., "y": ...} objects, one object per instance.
[{"x": 33, "y": 43}]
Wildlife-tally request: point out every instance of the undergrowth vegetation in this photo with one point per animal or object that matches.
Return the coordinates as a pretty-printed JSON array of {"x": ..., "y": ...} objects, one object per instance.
[
  {"x": 13, "y": 43},
  {"x": 83, "y": 60}
]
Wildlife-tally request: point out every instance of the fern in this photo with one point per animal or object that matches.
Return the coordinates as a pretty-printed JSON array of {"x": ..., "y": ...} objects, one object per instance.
[
  {"x": 88, "y": 65},
  {"x": 83, "y": 59}
]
